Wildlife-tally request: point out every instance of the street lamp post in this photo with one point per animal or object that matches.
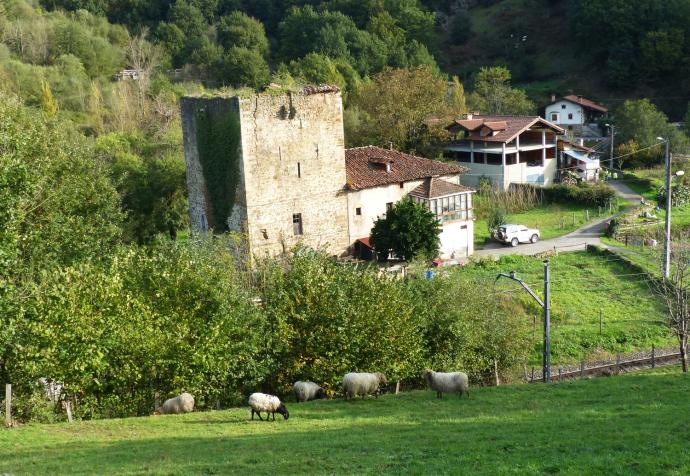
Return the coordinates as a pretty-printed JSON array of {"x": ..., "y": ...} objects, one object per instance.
[
  {"x": 610, "y": 126},
  {"x": 546, "y": 306}
]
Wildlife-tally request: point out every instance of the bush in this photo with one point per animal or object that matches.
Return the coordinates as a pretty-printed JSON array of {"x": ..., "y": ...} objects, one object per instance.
[
  {"x": 166, "y": 319},
  {"x": 466, "y": 329},
  {"x": 680, "y": 195},
  {"x": 595, "y": 195},
  {"x": 328, "y": 319},
  {"x": 497, "y": 217}
]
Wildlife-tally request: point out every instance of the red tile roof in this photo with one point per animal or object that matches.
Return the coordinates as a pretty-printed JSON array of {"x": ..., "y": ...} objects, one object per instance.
[
  {"x": 562, "y": 144},
  {"x": 584, "y": 102},
  {"x": 365, "y": 170},
  {"x": 514, "y": 126},
  {"x": 436, "y": 187}
]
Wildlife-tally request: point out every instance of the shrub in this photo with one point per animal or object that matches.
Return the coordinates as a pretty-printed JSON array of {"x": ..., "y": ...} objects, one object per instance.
[
  {"x": 595, "y": 195},
  {"x": 327, "y": 319},
  {"x": 466, "y": 329},
  {"x": 497, "y": 217},
  {"x": 680, "y": 195},
  {"x": 166, "y": 319}
]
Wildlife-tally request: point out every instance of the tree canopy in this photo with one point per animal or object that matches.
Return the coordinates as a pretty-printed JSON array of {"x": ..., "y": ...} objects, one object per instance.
[{"x": 408, "y": 230}]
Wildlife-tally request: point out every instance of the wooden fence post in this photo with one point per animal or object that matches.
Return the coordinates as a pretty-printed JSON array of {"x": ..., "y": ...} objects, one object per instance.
[
  {"x": 397, "y": 387},
  {"x": 67, "y": 403},
  {"x": 582, "y": 369},
  {"x": 587, "y": 215},
  {"x": 532, "y": 378},
  {"x": 498, "y": 381},
  {"x": 653, "y": 357},
  {"x": 560, "y": 373},
  {"x": 8, "y": 405}
]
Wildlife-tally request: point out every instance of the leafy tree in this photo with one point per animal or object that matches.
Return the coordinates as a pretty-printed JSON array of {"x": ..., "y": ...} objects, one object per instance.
[
  {"x": 239, "y": 29},
  {"x": 493, "y": 94},
  {"x": 396, "y": 105},
  {"x": 408, "y": 230},
  {"x": 328, "y": 319},
  {"x": 315, "y": 68},
  {"x": 151, "y": 182},
  {"x": 243, "y": 67},
  {"x": 641, "y": 121}
]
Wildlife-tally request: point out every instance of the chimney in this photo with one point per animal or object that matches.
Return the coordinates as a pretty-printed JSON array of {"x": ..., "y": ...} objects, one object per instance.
[
  {"x": 469, "y": 115},
  {"x": 553, "y": 97}
]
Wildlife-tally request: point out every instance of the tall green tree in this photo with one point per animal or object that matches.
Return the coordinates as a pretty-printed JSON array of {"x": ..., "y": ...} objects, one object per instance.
[
  {"x": 493, "y": 94},
  {"x": 396, "y": 106},
  {"x": 408, "y": 230},
  {"x": 641, "y": 121},
  {"x": 239, "y": 29}
]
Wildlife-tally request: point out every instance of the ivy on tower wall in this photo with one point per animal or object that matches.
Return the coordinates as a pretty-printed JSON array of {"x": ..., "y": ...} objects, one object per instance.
[{"x": 218, "y": 145}]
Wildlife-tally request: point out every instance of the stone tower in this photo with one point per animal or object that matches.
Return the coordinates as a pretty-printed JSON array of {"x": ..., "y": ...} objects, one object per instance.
[{"x": 270, "y": 167}]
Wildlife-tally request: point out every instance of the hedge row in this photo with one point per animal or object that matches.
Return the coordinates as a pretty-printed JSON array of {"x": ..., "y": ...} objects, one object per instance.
[
  {"x": 587, "y": 194},
  {"x": 182, "y": 317}
]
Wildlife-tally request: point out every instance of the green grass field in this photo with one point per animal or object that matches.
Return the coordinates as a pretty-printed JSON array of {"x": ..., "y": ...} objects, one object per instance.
[
  {"x": 583, "y": 285},
  {"x": 631, "y": 424},
  {"x": 552, "y": 221}
]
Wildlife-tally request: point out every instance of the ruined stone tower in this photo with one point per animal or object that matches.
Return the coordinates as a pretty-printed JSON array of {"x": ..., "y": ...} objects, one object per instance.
[{"x": 269, "y": 167}]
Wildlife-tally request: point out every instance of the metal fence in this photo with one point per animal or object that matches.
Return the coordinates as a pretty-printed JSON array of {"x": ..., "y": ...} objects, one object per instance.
[{"x": 621, "y": 363}]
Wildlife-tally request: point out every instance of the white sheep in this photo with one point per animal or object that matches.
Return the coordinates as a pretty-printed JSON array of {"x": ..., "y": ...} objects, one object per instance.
[
  {"x": 183, "y": 403},
  {"x": 363, "y": 384},
  {"x": 262, "y": 402},
  {"x": 305, "y": 391},
  {"x": 450, "y": 382}
]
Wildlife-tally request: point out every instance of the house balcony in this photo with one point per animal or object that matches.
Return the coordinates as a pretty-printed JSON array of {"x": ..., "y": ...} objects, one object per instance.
[{"x": 497, "y": 148}]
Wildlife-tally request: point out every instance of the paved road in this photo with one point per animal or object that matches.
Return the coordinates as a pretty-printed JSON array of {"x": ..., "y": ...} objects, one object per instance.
[{"x": 574, "y": 241}]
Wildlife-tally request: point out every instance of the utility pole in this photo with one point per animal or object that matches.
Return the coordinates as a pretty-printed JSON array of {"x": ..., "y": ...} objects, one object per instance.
[
  {"x": 547, "y": 325},
  {"x": 667, "y": 234},
  {"x": 546, "y": 306}
]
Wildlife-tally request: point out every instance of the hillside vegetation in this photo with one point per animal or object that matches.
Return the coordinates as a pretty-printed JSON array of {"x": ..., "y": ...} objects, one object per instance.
[{"x": 632, "y": 424}]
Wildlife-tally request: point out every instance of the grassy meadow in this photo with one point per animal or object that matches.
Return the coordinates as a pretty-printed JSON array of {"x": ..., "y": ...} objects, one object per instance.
[
  {"x": 552, "y": 220},
  {"x": 630, "y": 424},
  {"x": 583, "y": 285}
]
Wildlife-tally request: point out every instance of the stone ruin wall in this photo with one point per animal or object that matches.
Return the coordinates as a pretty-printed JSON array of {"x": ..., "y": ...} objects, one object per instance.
[{"x": 277, "y": 133}]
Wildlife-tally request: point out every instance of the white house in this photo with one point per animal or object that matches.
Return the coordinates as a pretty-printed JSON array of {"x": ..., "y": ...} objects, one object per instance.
[
  {"x": 505, "y": 149},
  {"x": 581, "y": 160},
  {"x": 574, "y": 112},
  {"x": 377, "y": 178}
]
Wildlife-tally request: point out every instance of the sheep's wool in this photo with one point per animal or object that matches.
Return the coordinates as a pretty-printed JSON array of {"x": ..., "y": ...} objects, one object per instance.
[{"x": 262, "y": 402}]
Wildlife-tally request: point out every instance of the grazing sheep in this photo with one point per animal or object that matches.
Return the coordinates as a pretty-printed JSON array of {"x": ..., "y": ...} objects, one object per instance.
[
  {"x": 363, "y": 384},
  {"x": 261, "y": 402},
  {"x": 305, "y": 391},
  {"x": 451, "y": 382},
  {"x": 183, "y": 403}
]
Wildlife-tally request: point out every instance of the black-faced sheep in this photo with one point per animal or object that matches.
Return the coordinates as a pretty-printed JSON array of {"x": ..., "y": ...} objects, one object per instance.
[
  {"x": 261, "y": 402},
  {"x": 305, "y": 391},
  {"x": 451, "y": 382},
  {"x": 363, "y": 384},
  {"x": 183, "y": 403}
]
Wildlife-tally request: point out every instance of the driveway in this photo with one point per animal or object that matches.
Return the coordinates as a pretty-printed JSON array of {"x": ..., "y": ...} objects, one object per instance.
[{"x": 574, "y": 241}]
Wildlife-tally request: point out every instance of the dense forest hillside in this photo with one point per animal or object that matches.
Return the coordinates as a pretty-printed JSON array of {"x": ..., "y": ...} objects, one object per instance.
[{"x": 606, "y": 49}]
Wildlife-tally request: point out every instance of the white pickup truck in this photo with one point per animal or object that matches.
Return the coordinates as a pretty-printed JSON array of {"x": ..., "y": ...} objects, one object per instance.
[{"x": 514, "y": 234}]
